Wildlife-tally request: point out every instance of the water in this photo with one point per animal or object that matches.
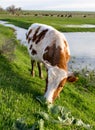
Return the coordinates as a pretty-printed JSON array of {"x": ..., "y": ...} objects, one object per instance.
[
  {"x": 82, "y": 46},
  {"x": 20, "y": 32},
  {"x": 81, "y": 26}
]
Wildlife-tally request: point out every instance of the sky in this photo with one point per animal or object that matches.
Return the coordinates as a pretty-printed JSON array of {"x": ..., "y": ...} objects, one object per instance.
[{"x": 61, "y": 5}]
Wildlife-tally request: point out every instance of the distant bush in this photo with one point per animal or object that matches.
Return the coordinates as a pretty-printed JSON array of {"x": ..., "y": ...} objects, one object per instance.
[
  {"x": 13, "y": 10},
  {"x": 8, "y": 49},
  {"x": 1, "y": 9}
]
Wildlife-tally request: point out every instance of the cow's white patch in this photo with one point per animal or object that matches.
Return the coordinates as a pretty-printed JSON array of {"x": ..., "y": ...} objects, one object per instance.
[{"x": 55, "y": 76}]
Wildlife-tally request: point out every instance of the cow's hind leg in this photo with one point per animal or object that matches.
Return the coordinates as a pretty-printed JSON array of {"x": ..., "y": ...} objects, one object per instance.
[
  {"x": 32, "y": 69},
  {"x": 40, "y": 69}
]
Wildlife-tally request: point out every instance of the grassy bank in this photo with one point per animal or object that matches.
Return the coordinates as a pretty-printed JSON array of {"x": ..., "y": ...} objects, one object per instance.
[
  {"x": 26, "y": 19},
  {"x": 18, "y": 90}
]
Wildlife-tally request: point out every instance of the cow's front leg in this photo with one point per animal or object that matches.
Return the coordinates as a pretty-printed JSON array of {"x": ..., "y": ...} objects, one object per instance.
[{"x": 55, "y": 80}]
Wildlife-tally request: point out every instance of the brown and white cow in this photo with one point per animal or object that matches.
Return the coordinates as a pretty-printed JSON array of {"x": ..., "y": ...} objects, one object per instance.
[{"x": 49, "y": 46}]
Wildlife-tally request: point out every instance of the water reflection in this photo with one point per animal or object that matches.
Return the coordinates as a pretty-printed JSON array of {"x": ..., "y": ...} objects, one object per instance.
[
  {"x": 82, "y": 46},
  {"x": 81, "y": 26}
]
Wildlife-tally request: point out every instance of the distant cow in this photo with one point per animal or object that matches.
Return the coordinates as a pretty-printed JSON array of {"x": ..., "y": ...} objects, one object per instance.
[{"x": 49, "y": 46}]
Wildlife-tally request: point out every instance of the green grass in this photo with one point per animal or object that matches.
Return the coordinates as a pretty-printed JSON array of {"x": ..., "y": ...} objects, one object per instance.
[
  {"x": 58, "y": 22},
  {"x": 18, "y": 91}
]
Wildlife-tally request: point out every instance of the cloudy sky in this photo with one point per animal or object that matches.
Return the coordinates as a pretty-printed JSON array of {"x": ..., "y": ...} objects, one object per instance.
[{"x": 65, "y": 5}]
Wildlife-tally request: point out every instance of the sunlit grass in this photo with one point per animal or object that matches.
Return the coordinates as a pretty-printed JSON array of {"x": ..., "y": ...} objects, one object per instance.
[{"x": 58, "y": 22}]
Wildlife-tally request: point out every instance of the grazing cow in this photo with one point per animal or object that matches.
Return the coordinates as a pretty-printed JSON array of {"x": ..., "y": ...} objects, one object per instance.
[{"x": 49, "y": 46}]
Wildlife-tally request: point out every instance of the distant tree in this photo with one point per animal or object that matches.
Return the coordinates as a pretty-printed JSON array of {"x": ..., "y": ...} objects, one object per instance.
[
  {"x": 18, "y": 11},
  {"x": 1, "y": 9},
  {"x": 8, "y": 48},
  {"x": 12, "y": 9}
]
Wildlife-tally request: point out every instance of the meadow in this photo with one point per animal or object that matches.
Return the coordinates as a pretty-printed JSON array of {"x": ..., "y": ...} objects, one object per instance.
[
  {"x": 18, "y": 89},
  {"x": 55, "y": 19}
]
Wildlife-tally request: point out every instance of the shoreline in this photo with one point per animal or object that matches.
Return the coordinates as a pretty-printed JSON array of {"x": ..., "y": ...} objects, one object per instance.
[{"x": 76, "y": 61}]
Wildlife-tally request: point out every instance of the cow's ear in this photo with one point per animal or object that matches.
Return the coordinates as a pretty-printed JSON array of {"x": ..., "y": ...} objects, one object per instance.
[{"x": 72, "y": 78}]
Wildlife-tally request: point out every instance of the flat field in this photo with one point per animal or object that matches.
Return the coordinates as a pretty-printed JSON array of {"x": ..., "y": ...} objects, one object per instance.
[{"x": 55, "y": 19}]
